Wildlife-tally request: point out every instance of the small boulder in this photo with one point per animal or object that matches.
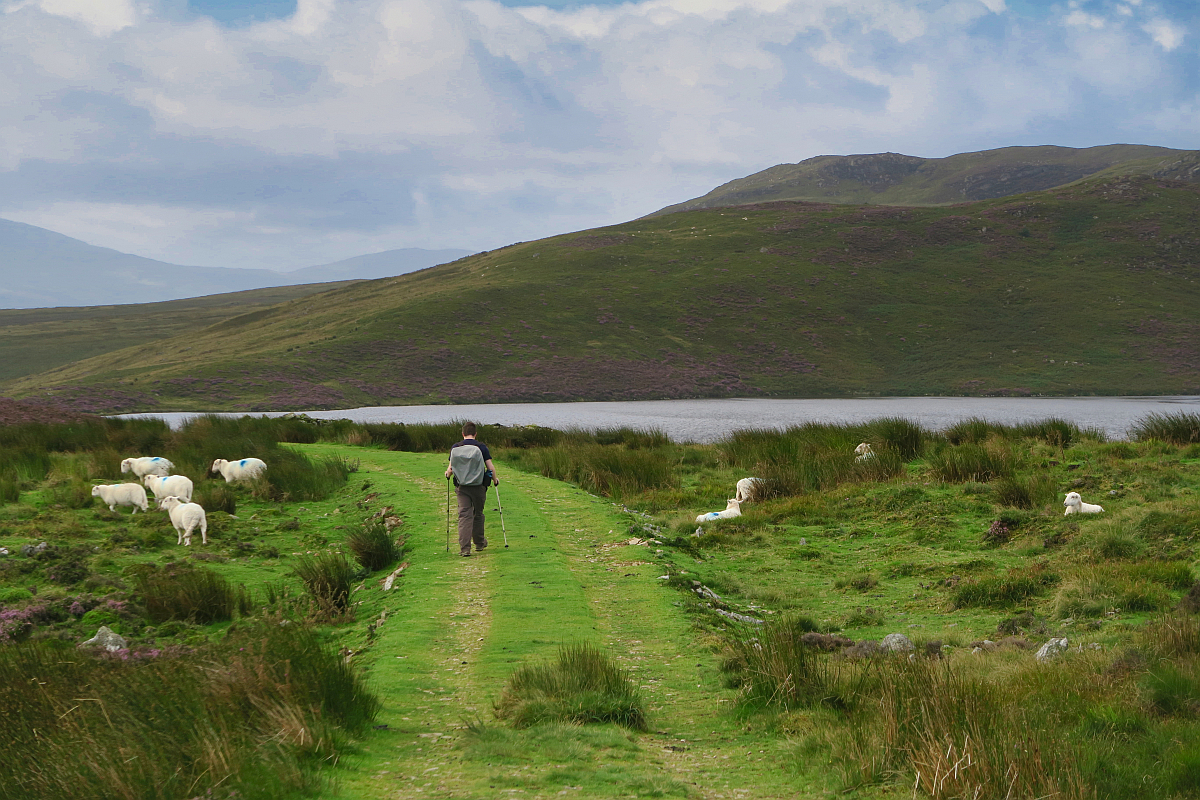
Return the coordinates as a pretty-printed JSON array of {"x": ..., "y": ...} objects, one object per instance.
[
  {"x": 106, "y": 638},
  {"x": 33, "y": 549},
  {"x": 896, "y": 643},
  {"x": 1051, "y": 649}
]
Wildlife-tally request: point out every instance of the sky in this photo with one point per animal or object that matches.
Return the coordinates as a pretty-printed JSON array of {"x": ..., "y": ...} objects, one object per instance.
[{"x": 287, "y": 133}]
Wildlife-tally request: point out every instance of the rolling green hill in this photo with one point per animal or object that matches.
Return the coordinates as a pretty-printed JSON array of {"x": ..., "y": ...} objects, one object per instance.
[
  {"x": 1090, "y": 289},
  {"x": 35, "y": 339},
  {"x": 898, "y": 180}
]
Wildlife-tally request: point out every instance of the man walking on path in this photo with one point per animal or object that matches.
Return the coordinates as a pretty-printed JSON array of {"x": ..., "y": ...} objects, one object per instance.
[{"x": 472, "y": 468}]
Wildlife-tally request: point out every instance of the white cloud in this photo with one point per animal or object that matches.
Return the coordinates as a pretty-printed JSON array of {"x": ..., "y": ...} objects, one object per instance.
[
  {"x": 102, "y": 17},
  {"x": 1165, "y": 34},
  {"x": 358, "y": 125}
]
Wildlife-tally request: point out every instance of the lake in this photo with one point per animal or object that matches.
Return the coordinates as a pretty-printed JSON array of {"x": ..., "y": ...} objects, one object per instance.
[{"x": 709, "y": 420}]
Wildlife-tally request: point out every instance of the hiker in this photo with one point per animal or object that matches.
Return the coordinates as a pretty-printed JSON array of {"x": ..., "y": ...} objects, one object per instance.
[{"x": 472, "y": 469}]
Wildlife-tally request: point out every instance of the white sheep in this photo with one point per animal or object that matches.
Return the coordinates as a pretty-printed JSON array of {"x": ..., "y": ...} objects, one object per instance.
[
  {"x": 748, "y": 490},
  {"x": 863, "y": 452},
  {"x": 1075, "y": 505},
  {"x": 122, "y": 494},
  {"x": 147, "y": 465},
  {"x": 733, "y": 509},
  {"x": 246, "y": 469},
  {"x": 178, "y": 485},
  {"x": 185, "y": 517}
]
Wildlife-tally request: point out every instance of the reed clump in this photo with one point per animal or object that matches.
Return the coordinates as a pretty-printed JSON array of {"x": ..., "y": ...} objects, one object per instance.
[
  {"x": 373, "y": 546},
  {"x": 328, "y": 577},
  {"x": 581, "y": 685},
  {"x": 1179, "y": 428},
  {"x": 250, "y": 718}
]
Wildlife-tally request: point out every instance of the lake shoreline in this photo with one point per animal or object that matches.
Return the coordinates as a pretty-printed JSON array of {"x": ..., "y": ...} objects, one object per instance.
[{"x": 706, "y": 421}]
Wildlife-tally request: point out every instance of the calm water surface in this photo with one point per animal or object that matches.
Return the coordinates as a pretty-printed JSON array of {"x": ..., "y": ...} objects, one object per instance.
[{"x": 709, "y": 420}]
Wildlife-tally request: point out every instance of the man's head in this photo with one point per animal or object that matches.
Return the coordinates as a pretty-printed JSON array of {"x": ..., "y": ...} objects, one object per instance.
[{"x": 469, "y": 429}]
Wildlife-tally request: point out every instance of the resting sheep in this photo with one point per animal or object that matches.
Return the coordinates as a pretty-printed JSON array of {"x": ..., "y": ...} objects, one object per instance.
[
  {"x": 1075, "y": 505},
  {"x": 122, "y": 494},
  {"x": 733, "y": 509},
  {"x": 147, "y": 465},
  {"x": 748, "y": 490},
  {"x": 863, "y": 452},
  {"x": 246, "y": 469},
  {"x": 178, "y": 485},
  {"x": 185, "y": 517}
]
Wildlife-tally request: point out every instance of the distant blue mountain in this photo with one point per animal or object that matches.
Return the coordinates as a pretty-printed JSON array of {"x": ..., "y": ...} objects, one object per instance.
[{"x": 41, "y": 268}]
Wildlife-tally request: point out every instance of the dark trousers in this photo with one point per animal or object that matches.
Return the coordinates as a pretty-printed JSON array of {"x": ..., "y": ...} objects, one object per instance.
[{"x": 470, "y": 517}]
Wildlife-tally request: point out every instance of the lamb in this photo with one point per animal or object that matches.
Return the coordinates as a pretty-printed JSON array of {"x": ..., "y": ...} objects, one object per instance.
[
  {"x": 185, "y": 517},
  {"x": 748, "y": 490},
  {"x": 122, "y": 494},
  {"x": 733, "y": 509},
  {"x": 147, "y": 465},
  {"x": 863, "y": 452},
  {"x": 247, "y": 469},
  {"x": 178, "y": 485},
  {"x": 1075, "y": 505}
]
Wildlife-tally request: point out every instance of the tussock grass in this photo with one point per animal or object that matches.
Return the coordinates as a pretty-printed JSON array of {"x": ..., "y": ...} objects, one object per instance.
[
  {"x": 10, "y": 488},
  {"x": 774, "y": 666},
  {"x": 249, "y": 717},
  {"x": 1029, "y": 491},
  {"x": 1180, "y": 428},
  {"x": 973, "y": 462},
  {"x": 329, "y": 579},
  {"x": 1015, "y": 587},
  {"x": 373, "y": 546},
  {"x": 815, "y": 457},
  {"x": 294, "y": 477},
  {"x": 581, "y": 685},
  {"x": 184, "y": 592},
  {"x": 609, "y": 470},
  {"x": 73, "y": 493},
  {"x": 953, "y": 735},
  {"x": 215, "y": 496},
  {"x": 1140, "y": 587}
]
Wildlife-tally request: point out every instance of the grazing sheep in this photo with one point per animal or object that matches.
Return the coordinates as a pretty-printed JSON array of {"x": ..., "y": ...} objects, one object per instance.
[
  {"x": 178, "y": 485},
  {"x": 147, "y": 465},
  {"x": 184, "y": 518},
  {"x": 247, "y": 469},
  {"x": 748, "y": 490},
  {"x": 734, "y": 509},
  {"x": 1075, "y": 505},
  {"x": 863, "y": 452},
  {"x": 122, "y": 494}
]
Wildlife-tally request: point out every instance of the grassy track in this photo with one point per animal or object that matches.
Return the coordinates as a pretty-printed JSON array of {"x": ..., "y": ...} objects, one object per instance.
[{"x": 457, "y": 627}]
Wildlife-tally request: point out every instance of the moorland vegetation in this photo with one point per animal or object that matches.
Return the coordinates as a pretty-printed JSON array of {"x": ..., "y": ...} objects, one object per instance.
[
  {"x": 1085, "y": 289},
  {"x": 242, "y": 674}
]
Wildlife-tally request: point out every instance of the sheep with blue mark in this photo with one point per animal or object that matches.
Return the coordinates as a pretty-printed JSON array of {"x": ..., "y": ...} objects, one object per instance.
[
  {"x": 246, "y": 469},
  {"x": 177, "y": 485},
  {"x": 147, "y": 465}
]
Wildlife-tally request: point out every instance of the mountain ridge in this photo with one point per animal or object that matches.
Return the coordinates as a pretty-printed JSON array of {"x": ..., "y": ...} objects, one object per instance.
[
  {"x": 43, "y": 268},
  {"x": 1086, "y": 289},
  {"x": 897, "y": 179}
]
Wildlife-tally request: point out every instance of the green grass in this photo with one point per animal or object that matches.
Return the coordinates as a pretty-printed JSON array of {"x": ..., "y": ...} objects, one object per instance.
[
  {"x": 804, "y": 720},
  {"x": 843, "y": 301},
  {"x": 252, "y": 716},
  {"x": 36, "y": 339},
  {"x": 373, "y": 545},
  {"x": 581, "y": 685},
  {"x": 1179, "y": 428}
]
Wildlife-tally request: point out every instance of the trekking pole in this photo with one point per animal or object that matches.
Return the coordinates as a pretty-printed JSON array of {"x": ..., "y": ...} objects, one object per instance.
[
  {"x": 447, "y": 515},
  {"x": 501, "y": 507}
]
